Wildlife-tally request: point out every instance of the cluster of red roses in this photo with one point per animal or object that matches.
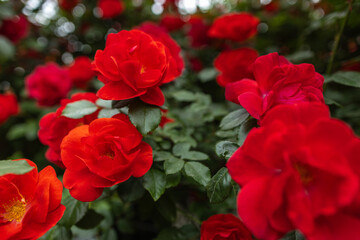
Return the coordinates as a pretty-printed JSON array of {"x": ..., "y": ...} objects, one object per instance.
[{"x": 107, "y": 8}]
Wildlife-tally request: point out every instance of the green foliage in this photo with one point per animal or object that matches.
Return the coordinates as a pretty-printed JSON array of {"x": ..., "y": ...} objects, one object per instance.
[
  {"x": 198, "y": 171},
  {"x": 234, "y": 119},
  {"x": 219, "y": 187},
  {"x": 348, "y": 78},
  {"x": 225, "y": 149},
  {"x": 14, "y": 167},
  {"x": 155, "y": 183},
  {"x": 75, "y": 210},
  {"x": 145, "y": 117},
  {"x": 79, "y": 109}
]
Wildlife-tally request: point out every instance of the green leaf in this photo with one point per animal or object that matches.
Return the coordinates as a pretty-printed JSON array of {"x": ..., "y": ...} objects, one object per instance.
[
  {"x": 195, "y": 156},
  {"x": 104, "y": 103},
  {"x": 131, "y": 190},
  {"x": 7, "y": 49},
  {"x": 234, "y": 119},
  {"x": 173, "y": 180},
  {"x": 245, "y": 129},
  {"x": 162, "y": 156},
  {"x": 14, "y": 167},
  {"x": 219, "y": 187},
  {"x": 107, "y": 113},
  {"x": 184, "y": 96},
  {"x": 225, "y": 149},
  {"x": 57, "y": 232},
  {"x": 145, "y": 117},
  {"x": 75, "y": 210},
  {"x": 180, "y": 148},
  {"x": 207, "y": 74},
  {"x": 199, "y": 172},
  {"x": 90, "y": 220},
  {"x": 348, "y": 78},
  {"x": 155, "y": 183},
  {"x": 79, "y": 109},
  {"x": 173, "y": 165}
]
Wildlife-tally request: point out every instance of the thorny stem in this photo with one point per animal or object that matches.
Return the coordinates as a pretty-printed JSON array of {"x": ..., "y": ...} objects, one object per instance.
[{"x": 337, "y": 38}]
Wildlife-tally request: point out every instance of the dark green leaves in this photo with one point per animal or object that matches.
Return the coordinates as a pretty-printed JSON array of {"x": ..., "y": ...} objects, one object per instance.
[
  {"x": 14, "y": 167},
  {"x": 90, "y": 220},
  {"x": 348, "y": 78},
  {"x": 173, "y": 165},
  {"x": 79, "y": 109},
  {"x": 155, "y": 183},
  {"x": 219, "y": 187},
  {"x": 225, "y": 149},
  {"x": 234, "y": 119},
  {"x": 182, "y": 150},
  {"x": 199, "y": 172},
  {"x": 145, "y": 117},
  {"x": 75, "y": 210}
]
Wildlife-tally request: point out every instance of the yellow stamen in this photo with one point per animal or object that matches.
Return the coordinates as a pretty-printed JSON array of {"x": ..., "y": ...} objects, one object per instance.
[{"x": 15, "y": 210}]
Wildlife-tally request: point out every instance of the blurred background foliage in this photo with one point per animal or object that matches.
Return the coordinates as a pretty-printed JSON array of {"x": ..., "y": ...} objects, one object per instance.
[{"x": 301, "y": 30}]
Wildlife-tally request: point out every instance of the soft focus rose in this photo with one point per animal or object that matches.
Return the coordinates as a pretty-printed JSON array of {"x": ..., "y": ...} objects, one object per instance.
[
  {"x": 277, "y": 81},
  {"x": 102, "y": 154},
  {"x": 172, "y": 22},
  {"x": 48, "y": 84},
  {"x": 351, "y": 66},
  {"x": 198, "y": 32},
  {"x": 132, "y": 64},
  {"x": 68, "y": 5},
  {"x": 81, "y": 71},
  {"x": 195, "y": 64},
  {"x": 272, "y": 7},
  {"x": 224, "y": 227},
  {"x": 30, "y": 204},
  {"x": 305, "y": 174},
  {"x": 15, "y": 28},
  {"x": 234, "y": 26},
  {"x": 176, "y": 63},
  {"x": 235, "y": 65},
  {"x": 110, "y": 8},
  {"x": 164, "y": 119},
  {"x": 8, "y": 106},
  {"x": 54, "y": 127}
]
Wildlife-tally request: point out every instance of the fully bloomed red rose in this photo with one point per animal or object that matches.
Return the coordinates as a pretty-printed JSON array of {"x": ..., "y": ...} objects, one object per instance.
[
  {"x": 172, "y": 22},
  {"x": 81, "y": 71},
  {"x": 176, "y": 63},
  {"x": 110, "y": 8},
  {"x": 48, "y": 84},
  {"x": 30, "y": 204},
  {"x": 132, "y": 64},
  {"x": 54, "y": 127},
  {"x": 68, "y": 5},
  {"x": 224, "y": 227},
  {"x": 15, "y": 28},
  {"x": 235, "y": 65},
  {"x": 234, "y": 26},
  {"x": 277, "y": 81},
  {"x": 8, "y": 106},
  {"x": 102, "y": 154},
  {"x": 305, "y": 177}
]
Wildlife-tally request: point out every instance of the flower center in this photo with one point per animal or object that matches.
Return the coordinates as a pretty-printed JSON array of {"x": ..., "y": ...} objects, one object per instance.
[
  {"x": 15, "y": 210},
  {"x": 305, "y": 175}
]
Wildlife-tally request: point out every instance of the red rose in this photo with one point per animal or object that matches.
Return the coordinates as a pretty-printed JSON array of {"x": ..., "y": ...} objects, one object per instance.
[
  {"x": 224, "y": 227},
  {"x": 68, "y": 5},
  {"x": 48, "y": 84},
  {"x": 198, "y": 32},
  {"x": 176, "y": 63},
  {"x": 102, "y": 154},
  {"x": 110, "y": 8},
  {"x": 277, "y": 81},
  {"x": 234, "y": 26},
  {"x": 54, "y": 127},
  {"x": 164, "y": 119},
  {"x": 132, "y": 65},
  {"x": 303, "y": 176},
  {"x": 8, "y": 106},
  {"x": 81, "y": 71},
  {"x": 30, "y": 204},
  {"x": 235, "y": 65},
  {"x": 172, "y": 22},
  {"x": 195, "y": 64},
  {"x": 15, "y": 28}
]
